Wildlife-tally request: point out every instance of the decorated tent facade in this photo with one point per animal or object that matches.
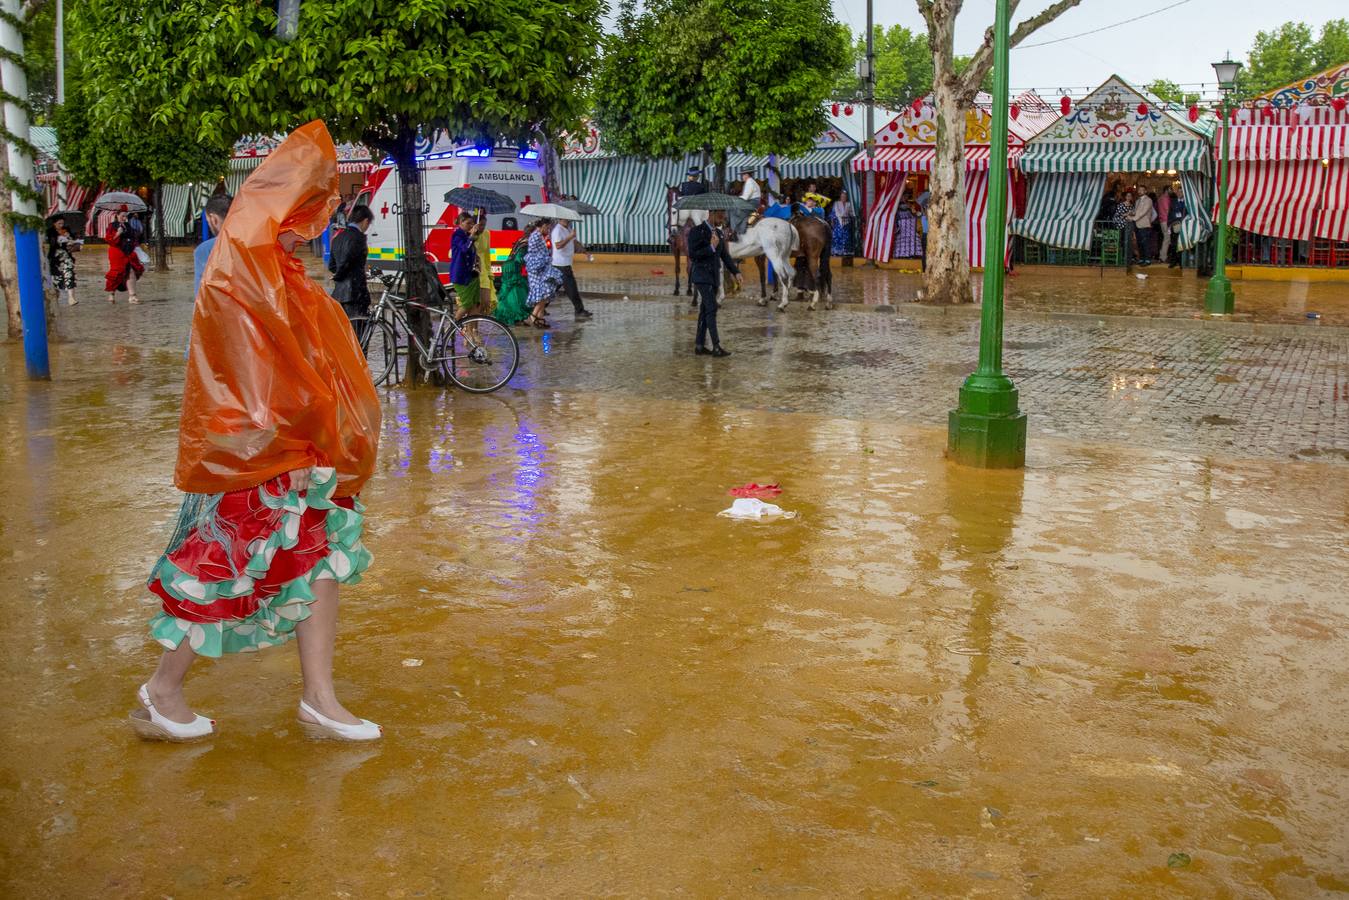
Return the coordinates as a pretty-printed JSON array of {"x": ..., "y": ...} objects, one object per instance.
[
  {"x": 1290, "y": 163},
  {"x": 1114, "y": 129},
  {"x": 907, "y": 145}
]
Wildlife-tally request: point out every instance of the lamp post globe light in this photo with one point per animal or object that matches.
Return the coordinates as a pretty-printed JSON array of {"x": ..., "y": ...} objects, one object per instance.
[{"x": 1218, "y": 299}]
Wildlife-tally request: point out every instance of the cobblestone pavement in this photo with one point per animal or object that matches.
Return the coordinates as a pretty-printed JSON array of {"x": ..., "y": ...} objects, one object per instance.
[
  {"x": 1140, "y": 382},
  {"x": 1163, "y": 293}
]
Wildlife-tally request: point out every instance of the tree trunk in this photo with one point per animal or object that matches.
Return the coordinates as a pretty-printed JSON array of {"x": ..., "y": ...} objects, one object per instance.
[
  {"x": 948, "y": 264},
  {"x": 421, "y": 281},
  {"x": 721, "y": 169},
  {"x": 550, "y": 162},
  {"x": 161, "y": 239},
  {"x": 9, "y": 260}
]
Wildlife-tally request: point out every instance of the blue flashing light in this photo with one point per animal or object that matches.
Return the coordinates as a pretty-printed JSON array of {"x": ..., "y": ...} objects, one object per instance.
[
  {"x": 526, "y": 153},
  {"x": 479, "y": 152}
]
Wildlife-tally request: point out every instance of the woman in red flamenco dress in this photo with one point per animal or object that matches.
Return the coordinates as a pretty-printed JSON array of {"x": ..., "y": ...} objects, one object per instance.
[{"x": 124, "y": 267}]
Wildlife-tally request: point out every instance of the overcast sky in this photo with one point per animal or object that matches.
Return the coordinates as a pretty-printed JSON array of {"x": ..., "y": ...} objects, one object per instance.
[{"x": 1178, "y": 44}]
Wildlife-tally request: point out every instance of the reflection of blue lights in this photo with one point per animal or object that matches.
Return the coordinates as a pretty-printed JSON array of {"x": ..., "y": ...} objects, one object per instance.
[
  {"x": 547, "y": 344},
  {"x": 530, "y": 451},
  {"x": 402, "y": 438}
]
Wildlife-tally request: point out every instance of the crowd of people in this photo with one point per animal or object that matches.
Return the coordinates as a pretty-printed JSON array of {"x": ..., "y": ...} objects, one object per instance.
[{"x": 1148, "y": 221}]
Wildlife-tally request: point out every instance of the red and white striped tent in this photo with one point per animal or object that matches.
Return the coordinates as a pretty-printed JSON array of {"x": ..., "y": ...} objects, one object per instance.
[
  {"x": 907, "y": 144},
  {"x": 1290, "y": 161}
]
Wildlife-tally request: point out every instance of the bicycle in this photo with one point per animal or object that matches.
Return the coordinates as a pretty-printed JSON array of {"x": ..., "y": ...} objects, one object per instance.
[{"x": 477, "y": 353}]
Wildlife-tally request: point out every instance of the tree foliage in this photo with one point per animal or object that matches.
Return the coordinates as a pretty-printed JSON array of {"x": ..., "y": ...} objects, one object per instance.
[
  {"x": 371, "y": 71},
  {"x": 1170, "y": 92},
  {"x": 684, "y": 76},
  {"x": 903, "y": 67},
  {"x": 1285, "y": 54}
]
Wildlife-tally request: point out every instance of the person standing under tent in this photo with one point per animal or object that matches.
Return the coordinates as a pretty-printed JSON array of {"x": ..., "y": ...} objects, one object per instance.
[
  {"x": 61, "y": 260},
  {"x": 124, "y": 266},
  {"x": 1122, "y": 219},
  {"x": 347, "y": 262},
  {"x": 841, "y": 216},
  {"x": 708, "y": 254},
  {"x": 564, "y": 250},
  {"x": 1175, "y": 215},
  {"x": 1142, "y": 218}
]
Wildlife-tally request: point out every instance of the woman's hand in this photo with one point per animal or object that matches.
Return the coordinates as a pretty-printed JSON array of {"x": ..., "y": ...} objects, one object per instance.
[{"x": 299, "y": 480}]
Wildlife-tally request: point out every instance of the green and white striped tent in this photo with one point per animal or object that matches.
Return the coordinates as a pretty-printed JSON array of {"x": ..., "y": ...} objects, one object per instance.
[
  {"x": 630, "y": 193},
  {"x": 1116, "y": 128}
]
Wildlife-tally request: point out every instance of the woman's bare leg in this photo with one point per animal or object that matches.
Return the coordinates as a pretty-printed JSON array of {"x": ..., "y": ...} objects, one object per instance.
[
  {"x": 131, "y": 286},
  {"x": 317, "y": 636},
  {"x": 166, "y": 685}
]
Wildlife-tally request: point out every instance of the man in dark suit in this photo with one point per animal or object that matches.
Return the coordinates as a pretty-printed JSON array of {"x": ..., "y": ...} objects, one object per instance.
[
  {"x": 347, "y": 263},
  {"x": 707, "y": 253}
]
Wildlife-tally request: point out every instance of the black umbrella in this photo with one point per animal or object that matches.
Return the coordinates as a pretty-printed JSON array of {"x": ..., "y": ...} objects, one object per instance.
[
  {"x": 489, "y": 202},
  {"x": 714, "y": 200},
  {"x": 580, "y": 206},
  {"x": 75, "y": 220}
]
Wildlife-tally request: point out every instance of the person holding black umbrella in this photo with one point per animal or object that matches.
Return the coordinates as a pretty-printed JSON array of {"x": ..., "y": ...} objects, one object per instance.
[{"x": 60, "y": 243}]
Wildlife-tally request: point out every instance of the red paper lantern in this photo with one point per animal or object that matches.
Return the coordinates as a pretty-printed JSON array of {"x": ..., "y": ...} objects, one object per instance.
[
  {"x": 847, "y": 110},
  {"x": 1065, "y": 104},
  {"x": 1194, "y": 113},
  {"x": 1142, "y": 109},
  {"x": 918, "y": 107},
  {"x": 1338, "y": 104},
  {"x": 1014, "y": 110},
  {"x": 834, "y": 109}
]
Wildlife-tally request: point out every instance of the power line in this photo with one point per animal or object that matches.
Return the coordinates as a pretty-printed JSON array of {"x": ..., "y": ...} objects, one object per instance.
[{"x": 1102, "y": 28}]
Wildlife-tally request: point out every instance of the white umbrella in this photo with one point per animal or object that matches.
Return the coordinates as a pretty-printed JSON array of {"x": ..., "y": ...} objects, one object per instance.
[
  {"x": 115, "y": 201},
  {"x": 550, "y": 211}
]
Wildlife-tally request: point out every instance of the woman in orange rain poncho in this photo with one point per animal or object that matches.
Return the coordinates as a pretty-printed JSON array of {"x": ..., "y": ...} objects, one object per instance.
[{"x": 279, "y": 429}]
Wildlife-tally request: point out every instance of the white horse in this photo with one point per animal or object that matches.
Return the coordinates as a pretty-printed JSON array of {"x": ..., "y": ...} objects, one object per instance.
[{"x": 777, "y": 240}]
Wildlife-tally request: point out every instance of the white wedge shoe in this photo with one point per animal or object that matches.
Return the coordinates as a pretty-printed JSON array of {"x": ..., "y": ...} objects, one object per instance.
[
  {"x": 152, "y": 726},
  {"x": 326, "y": 729}
]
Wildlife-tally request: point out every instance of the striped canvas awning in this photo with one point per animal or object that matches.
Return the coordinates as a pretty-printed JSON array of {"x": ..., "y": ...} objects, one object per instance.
[
  {"x": 920, "y": 158},
  {"x": 1332, "y": 221},
  {"x": 1287, "y": 142},
  {"x": 1276, "y": 198},
  {"x": 822, "y": 162},
  {"x": 1060, "y": 209},
  {"x": 630, "y": 193},
  {"x": 1126, "y": 156},
  {"x": 354, "y": 166}
]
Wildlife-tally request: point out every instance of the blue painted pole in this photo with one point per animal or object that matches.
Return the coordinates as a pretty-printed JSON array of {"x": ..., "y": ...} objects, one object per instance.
[{"x": 31, "y": 305}]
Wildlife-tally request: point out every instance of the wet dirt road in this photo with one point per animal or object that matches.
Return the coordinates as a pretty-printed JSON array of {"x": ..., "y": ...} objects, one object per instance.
[{"x": 1117, "y": 673}]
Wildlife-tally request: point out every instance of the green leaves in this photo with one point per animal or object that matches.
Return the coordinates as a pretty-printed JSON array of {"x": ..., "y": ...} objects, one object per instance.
[
  {"x": 1289, "y": 52},
  {"x": 685, "y": 76},
  {"x": 213, "y": 70}
]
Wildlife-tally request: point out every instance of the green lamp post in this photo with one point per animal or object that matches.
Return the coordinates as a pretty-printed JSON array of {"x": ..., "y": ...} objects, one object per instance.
[
  {"x": 1219, "y": 299},
  {"x": 987, "y": 429}
]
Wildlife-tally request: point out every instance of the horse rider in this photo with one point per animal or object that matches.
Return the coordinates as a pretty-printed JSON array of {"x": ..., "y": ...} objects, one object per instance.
[
  {"x": 750, "y": 193},
  {"x": 692, "y": 185}
]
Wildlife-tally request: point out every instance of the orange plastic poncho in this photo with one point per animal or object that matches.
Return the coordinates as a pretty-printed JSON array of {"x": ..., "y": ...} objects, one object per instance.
[{"x": 275, "y": 379}]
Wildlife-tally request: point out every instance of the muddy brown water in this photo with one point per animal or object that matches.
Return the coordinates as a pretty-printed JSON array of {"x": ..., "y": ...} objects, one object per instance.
[{"x": 1120, "y": 672}]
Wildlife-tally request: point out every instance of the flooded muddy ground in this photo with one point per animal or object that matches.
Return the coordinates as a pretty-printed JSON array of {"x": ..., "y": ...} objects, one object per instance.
[{"x": 1117, "y": 673}]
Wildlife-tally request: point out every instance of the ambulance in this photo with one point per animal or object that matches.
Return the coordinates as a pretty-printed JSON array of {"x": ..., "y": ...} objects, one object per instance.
[{"x": 513, "y": 171}]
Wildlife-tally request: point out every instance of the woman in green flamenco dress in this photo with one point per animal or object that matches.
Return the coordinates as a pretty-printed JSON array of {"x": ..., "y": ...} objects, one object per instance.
[
  {"x": 513, "y": 307},
  {"x": 278, "y": 434}
]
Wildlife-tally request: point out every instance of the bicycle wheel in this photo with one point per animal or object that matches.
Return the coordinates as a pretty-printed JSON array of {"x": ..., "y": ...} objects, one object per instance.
[
  {"x": 380, "y": 346},
  {"x": 480, "y": 355}
]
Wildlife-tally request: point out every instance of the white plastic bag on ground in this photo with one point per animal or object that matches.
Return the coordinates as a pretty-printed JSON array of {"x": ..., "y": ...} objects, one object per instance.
[{"x": 754, "y": 508}]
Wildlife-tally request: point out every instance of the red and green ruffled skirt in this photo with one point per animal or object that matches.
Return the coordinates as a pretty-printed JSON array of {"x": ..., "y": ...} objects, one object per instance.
[{"x": 240, "y": 571}]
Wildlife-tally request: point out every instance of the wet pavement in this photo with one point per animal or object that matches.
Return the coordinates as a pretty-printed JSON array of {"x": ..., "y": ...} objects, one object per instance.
[
  {"x": 1117, "y": 673},
  {"x": 1163, "y": 293}
]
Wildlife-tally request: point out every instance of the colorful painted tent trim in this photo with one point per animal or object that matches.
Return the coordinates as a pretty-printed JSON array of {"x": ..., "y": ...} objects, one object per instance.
[
  {"x": 1060, "y": 209},
  {"x": 1322, "y": 87}
]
